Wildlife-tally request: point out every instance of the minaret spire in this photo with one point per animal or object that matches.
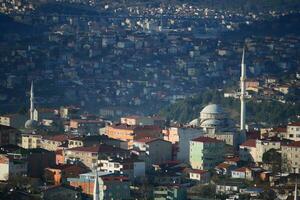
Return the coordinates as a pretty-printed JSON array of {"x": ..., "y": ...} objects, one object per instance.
[
  {"x": 296, "y": 192},
  {"x": 31, "y": 101},
  {"x": 96, "y": 193},
  {"x": 243, "y": 92}
]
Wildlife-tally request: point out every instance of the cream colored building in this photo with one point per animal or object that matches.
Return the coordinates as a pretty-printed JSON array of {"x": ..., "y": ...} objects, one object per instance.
[
  {"x": 253, "y": 150},
  {"x": 14, "y": 120},
  {"x": 182, "y": 136},
  {"x": 137, "y": 120},
  {"x": 31, "y": 141},
  {"x": 291, "y": 157},
  {"x": 293, "y": 131}
]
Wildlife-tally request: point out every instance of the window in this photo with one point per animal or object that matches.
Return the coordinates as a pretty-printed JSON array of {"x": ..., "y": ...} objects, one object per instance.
[{"x": 291, "y": 135}]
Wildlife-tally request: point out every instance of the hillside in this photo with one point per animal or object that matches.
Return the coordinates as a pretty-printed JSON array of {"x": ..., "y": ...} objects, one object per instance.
[{"x": 270, "y": 112}]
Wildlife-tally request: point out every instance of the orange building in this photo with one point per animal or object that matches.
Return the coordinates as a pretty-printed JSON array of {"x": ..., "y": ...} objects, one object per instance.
[
  {"x": 58, "y": 174},
  {"x": 59, "y": 157},
  {"x": 130, "y": 133}
]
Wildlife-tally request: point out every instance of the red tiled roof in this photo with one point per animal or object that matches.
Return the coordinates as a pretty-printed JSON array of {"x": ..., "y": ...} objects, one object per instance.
[
  {"x": 93, "y": 149},
  {"x": 114, "y": 178},
  {"x": 249, "y": 143},
  {"x": 58, "y": 138},
  {"x": 206, "y": 140},
  {"x": 294, "y": 124},
  {"x": 242, "y": 169},
  {"x": 280, "y": 129},
  {"x": 223, "y": 166},
  {"x": 198, "y": 171},
  {"x": 148, "y": 140},
  {"x": 135, "y": 127},
  {"x": 232, "y": 159},
  {"x": 293, "y": 144},
  {"x": 58, "y": 152},
  {"x": 87, "y": 121}
]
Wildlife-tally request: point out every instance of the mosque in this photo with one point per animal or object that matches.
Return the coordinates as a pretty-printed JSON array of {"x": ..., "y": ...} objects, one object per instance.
[
  {"x": 215, "y": 122},
  {"x": 212, "y": 116}
]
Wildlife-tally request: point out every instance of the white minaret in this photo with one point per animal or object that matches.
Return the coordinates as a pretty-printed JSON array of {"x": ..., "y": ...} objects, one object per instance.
[
  {"x": 31, "y": 101},
  {"x": 243, "y": 93},
  {"x": 296, "y": 192},
  {"x": 96, "y": 193}
]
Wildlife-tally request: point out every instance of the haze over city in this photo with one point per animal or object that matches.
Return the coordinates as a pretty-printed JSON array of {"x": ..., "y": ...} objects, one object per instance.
[{"x": 138, "y": 99}]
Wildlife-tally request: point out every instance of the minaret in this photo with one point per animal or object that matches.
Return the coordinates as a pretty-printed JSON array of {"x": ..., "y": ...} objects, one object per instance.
[
  {"x": 31, "y": 101},
  {"x": 295, "y": 192},
  {"x": 96, "y": 193},
  {"x": 242, "y": 97}
]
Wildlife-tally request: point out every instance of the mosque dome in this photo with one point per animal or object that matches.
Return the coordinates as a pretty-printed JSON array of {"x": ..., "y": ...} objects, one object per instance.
[
  {"x": 194, "y": 122},
  {"x": 31, "y": 124},
  {"x": 212, "y": 109},
  {"x": 211, "y": 123}
]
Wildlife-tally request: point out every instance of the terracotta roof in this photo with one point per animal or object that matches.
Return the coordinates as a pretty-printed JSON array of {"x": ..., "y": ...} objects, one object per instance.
[
  {"x": 134, "y": 127},
  {"x": 148, "y": 140},
  {"x": 232, "y": 159},
  {"x": 114, "y": 178},
  {"x": 294, "y": 124},
  {"x": 280, "y": 129},
  {"x": 87, "y": 121},
  {"x": 249, "y": 143},
  {"x": 223, "y": 166},
  {"x": 293, "y": 144},
  {"x": 198, "y": 171},
  {"x": 58, "y": 138},
  {"x": 206, "y": 140},
  {"x": 242, "y": 169}
]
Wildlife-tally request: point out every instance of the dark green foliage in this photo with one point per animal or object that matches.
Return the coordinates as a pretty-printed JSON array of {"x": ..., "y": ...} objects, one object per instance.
[
  {"x": 268, "y": 111},
  {"x": 273, "y": 158}
]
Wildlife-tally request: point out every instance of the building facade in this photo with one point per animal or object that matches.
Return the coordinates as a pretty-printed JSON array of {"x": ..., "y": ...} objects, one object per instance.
[{"x": 206, "y": 153}]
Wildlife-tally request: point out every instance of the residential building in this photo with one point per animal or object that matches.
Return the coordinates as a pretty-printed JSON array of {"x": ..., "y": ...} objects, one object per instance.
[
  {"x": 133, "y": 168},
  {"x": 8, "y": 135},
  {"x": 253, "y": 150},
  {"x": 130, "y": 133},
  {"x": 153, "y": 151},
  {"x": 110, "y": 186},
  {"x": 247, "y": 151},
  {"x": 31, "y": 141},
  {"x": 38, "y": 159},
  {"x": 293, "y": 131},
  {"x": 182, "y": 136},
  {"x": 84, "y": 141},
  {"x": 58, "y": 174},
  {"x": 201, "y": 176},
  {"x": 172, "y": 192},
  {"x": 12, "y": 166},
  {"x": 86, "y": 126},
  {"x": 53, "y": 143},
  {"x": 13, "y": 120},
  {"x": 89, "y": 155},
  {"x": 137, "y": 120},
  {"x": 242, "y": 173},
  {"x": 206, "y": 153},
  {"x": 291, "y": 157}
]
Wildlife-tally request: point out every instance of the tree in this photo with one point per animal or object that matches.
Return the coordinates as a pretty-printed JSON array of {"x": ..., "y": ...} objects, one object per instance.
[{"x": 274, "y": 158}]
